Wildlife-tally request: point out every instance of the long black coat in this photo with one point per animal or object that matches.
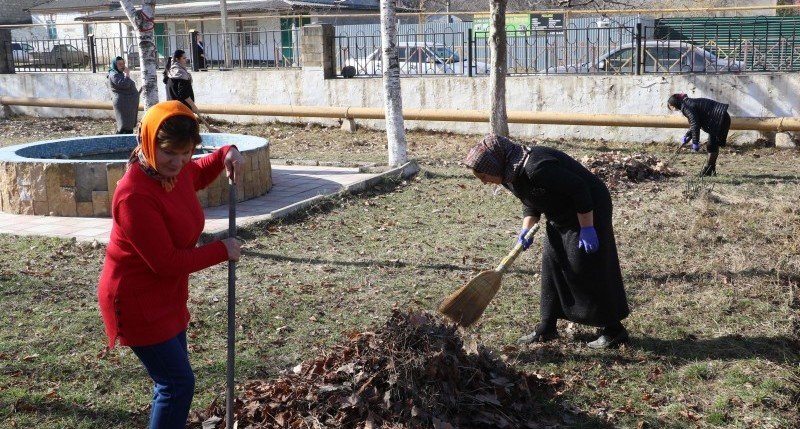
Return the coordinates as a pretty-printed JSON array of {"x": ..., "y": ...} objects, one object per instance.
[{"x": 575, "y": 286}]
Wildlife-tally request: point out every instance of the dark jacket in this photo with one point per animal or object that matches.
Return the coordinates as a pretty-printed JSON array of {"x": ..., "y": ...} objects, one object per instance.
[
  {"x": 705, "y": 114},
  {"x": 179, "y": 89},
  {"x": 557, "y": 185}
]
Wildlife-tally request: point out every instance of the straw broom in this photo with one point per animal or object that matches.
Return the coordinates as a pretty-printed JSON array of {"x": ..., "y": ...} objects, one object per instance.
[{"x": 466, "y": 305}]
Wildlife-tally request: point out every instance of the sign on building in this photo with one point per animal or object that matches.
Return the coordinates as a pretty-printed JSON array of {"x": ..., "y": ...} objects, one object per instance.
[
  {"x": 547, "y": 22},
  {"x": 514, "y": 22}
]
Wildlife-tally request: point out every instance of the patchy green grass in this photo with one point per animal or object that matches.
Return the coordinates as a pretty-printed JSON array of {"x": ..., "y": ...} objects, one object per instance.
[{"x": 712, "y": 282}]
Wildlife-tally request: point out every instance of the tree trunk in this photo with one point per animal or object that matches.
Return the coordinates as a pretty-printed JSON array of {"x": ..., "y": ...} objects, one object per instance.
[
  {"x": 395, "y": 132},
  {"x": 226, "y": 36},
  {"x": 144, "y": 24},
  {"x": 497, "y": 44}
]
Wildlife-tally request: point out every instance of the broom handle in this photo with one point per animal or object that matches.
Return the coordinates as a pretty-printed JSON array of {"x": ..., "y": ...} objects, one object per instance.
[{"x": 509, "y": 259}]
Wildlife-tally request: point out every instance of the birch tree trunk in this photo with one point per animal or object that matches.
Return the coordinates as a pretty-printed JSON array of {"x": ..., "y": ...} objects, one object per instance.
[
  {"x": 395, "y": 131},
  {"x": 144, "y": 24},
  {"x": 226, "y": 37},
  {"x": 499, "y": 69}
]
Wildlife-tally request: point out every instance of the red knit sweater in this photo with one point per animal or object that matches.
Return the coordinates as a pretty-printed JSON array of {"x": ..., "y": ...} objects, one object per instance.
[{"x": 144, "y": 286}]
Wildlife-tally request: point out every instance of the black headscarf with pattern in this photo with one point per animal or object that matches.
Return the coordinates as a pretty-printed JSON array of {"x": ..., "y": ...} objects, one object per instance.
[{"x": 497, "y": 156}]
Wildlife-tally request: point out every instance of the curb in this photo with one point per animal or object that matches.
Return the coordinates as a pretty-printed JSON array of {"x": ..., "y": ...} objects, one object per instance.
[{"x": 405, "y": 171}]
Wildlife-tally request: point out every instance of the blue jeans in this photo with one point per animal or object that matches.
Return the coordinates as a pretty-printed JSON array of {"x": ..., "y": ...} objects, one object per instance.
[{"x": 168, "y": 366}]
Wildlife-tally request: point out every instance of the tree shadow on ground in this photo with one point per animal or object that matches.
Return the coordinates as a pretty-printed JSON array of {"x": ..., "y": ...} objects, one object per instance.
[
  {"x": 755, "y": 178},
  {"x": 466, "y": 175},
  {"x": 659, "y": 278},
  {"x": 779, "y": 349},
  {"x": 368, "y": 263}
]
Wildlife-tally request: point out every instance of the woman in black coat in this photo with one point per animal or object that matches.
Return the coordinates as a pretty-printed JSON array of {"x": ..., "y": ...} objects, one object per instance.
[
  {"x": 708, "y": 115},
  {"x": 178, "y": 80},
  {"x": 179, "y": 83},
  {"x": 581, "y": 277}
]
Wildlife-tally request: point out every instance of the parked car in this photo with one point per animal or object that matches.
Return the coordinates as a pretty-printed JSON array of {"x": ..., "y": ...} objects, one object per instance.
[
  {"x": 418, "y": 58},
  {"x": 657, "y": 57},
  {"x": 21, "y": 53},
  {"x": 132, "y": 59},
  {"x": 61, "y": 55}
]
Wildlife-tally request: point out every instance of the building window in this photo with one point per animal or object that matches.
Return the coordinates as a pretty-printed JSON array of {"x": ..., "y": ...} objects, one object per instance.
[
  {"x": 52, "y": 33},
  {"x": 248, "y": 29}
]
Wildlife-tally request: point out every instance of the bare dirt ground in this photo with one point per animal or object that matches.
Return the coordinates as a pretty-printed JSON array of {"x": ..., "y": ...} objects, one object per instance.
[{"x": 712, "y": 275}]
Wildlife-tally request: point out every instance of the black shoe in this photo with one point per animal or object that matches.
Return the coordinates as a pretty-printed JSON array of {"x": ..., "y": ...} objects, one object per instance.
[
  {"x": 708, "y": 170},
  {"x": 539, "y": 335},
  {"x": 610, "y": 339}
]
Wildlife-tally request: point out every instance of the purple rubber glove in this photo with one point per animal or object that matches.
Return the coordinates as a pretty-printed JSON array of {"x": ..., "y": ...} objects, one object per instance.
[
  {"x": 695, "y": 147},
  {"x": 686, "y": 139},
  {"x": 588, "y": 240},
  {"x": 521, "y": 240}
]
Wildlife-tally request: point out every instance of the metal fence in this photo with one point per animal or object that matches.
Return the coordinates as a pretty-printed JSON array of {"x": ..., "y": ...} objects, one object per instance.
[
  {"x": 418, "y": 54},
  {"x": 252, "y": 49},
  {"x": 571, "y": 50},
  {"x": 584, "y": 46},
  {"x": 50, "y": 55}
]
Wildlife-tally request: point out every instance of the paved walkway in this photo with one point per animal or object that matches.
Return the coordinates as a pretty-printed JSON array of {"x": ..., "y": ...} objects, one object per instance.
[{"x": 292, "y": 186}]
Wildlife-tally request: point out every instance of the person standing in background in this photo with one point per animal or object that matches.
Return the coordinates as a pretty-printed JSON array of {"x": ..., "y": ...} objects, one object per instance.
[
  {"x": 179, "y": 83},
  {"x": 124, "y": 96}
]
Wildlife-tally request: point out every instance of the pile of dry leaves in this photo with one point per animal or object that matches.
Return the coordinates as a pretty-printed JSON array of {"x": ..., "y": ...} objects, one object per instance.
[
  {"x": 414, "y": 372},
  {"x": 618, "y": 170}
]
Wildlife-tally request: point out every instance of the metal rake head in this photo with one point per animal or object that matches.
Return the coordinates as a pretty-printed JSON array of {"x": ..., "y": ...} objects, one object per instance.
[{"x": 698, "y": 186}]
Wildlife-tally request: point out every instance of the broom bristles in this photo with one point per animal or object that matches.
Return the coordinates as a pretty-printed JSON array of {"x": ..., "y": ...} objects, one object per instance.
[{"x": 466, "y": 305}]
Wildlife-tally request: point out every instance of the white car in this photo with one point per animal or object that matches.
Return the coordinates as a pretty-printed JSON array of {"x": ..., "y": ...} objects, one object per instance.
[
  {"x": 418, "y": 58},
  {"x": 657, "y": 57}
]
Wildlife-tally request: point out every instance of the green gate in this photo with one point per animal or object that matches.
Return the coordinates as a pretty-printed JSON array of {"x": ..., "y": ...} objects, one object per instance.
[
  {"x": 287, "y": 39},
  {"x": 763, "y": 43}
]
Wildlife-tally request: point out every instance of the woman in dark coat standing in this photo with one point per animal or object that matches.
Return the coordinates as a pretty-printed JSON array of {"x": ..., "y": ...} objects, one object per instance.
[
  {"x": 581, "y": 278},
  {"x": 178, "y": 80},
  {"x": 124, "y": 96},
  {"x": 708, "y": 115},
  {"x": 179, "y": 83}
]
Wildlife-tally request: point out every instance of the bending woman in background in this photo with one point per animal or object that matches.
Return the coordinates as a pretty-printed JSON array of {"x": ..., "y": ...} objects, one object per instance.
[
  {"x": 581, "y": 277},
  {"x": 708, "y": 115},
  {"x": 157, "y": 220},
  {"x": 124, "y": 96}
]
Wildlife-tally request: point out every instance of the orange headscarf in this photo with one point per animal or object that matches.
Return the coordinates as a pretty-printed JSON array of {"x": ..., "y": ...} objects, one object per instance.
[
  {"x": 151, "y": 123},
  {"x": 145, "y": 152}
]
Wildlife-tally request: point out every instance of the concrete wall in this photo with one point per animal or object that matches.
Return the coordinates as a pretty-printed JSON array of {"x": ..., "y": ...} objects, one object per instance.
[{"x": 748, "y": 95}]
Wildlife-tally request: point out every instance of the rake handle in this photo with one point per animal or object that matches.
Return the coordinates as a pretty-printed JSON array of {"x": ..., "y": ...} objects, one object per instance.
[
  {"x": 509, "y": 259},
  {"x": 231, "y": 355}
]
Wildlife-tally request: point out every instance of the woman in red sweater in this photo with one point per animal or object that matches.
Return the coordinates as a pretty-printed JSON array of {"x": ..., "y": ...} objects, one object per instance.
[{"x": 157, "y": 220}]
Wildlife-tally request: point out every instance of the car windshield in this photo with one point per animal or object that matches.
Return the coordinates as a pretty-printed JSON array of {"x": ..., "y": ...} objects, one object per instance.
[
  {"x": 619, "y": 61},
  {"x": 445, "y": 53},
  {"x": 377, "y": 56},
  {"x": 666, "y": 59},
  {"x": 419, "y": 54}
]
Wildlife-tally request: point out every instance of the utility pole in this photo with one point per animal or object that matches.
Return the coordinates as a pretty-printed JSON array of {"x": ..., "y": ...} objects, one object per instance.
[
  {"x": 447, "y": 5},
  {"x": 226, "y": 37}
]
